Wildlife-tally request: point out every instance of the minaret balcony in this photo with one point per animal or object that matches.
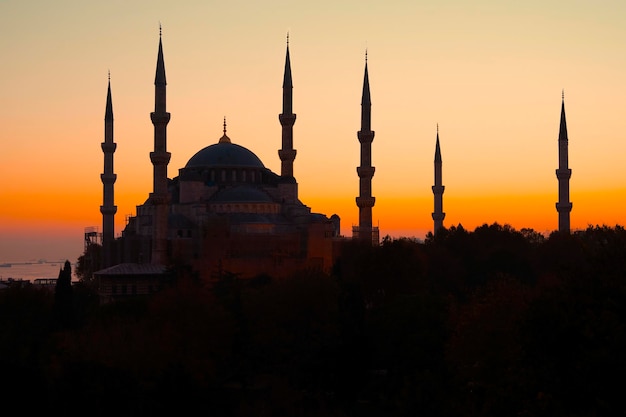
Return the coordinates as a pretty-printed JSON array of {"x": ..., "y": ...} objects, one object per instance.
[
  {"x": 287, "y": 154},
  {"x": 365, "y": 172},
  {"x": 564, "y": 207},
  {"x": 108, "y": 147},
  {"x": 365, "y": 201},
  {"x": 438, "y": 189},
  {"x": 563, "y": 173},
  {"x": 366, "y": 136},
  {"x": 160, "y": 118},
  {"x": 438, "y": 216},
  {"x": 160, "y": 158},
  {"x": 108, "y": 178},
  {"x": 287, "y": 119},
  {"x": 108, "y": 210}
]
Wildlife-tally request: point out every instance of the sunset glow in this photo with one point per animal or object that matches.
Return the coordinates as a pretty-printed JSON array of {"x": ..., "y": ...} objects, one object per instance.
[{"x": 490, "y": 74}]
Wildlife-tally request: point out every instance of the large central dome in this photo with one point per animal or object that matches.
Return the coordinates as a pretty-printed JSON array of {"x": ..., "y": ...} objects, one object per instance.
[{"x": 225, "y": 154}]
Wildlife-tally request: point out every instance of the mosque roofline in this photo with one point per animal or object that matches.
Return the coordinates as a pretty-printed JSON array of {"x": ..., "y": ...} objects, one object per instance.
[{"x": 133, "y": 269}]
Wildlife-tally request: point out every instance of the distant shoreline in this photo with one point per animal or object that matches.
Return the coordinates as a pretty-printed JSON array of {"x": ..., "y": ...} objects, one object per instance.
[
  {"x": 32, "y": 262},
  {"x": 32, "y": 269}
]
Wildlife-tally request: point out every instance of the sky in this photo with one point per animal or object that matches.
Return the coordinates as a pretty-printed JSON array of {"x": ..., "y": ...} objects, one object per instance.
[{"x": 490, "y": 74}]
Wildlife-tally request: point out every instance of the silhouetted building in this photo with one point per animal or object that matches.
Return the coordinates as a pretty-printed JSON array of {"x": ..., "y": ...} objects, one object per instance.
[
  {"x": 126, "y": 280},
  {"x": 224, "y": 212},
  {"x": 563, "y": 173},
  {"x": 438, "y": 189},
  {"x": 365, "y": 231}
]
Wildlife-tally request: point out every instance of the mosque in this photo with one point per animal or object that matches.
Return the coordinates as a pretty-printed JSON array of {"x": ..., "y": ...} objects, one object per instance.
[{"x": 225, "y": 212}]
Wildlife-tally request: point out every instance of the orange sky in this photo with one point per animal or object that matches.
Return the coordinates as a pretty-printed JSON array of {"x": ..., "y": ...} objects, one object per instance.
[{"x": 489, "y": 73}]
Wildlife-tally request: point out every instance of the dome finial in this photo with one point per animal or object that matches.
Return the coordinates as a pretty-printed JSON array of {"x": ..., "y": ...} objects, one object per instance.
[{"x": 224, "y": 138}]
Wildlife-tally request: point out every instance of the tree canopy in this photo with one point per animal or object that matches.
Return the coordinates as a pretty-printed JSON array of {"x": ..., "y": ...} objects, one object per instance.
[{"x": 489, "y": 322}]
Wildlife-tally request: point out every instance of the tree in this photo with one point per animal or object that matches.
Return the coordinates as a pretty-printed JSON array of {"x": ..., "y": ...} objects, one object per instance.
[
  {"x": 63, "y": 305},
  {"x": 88, "y": 263}
]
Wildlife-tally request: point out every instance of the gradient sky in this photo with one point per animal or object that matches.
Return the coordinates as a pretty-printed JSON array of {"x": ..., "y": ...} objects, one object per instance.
[{"x": 490, "y": 73}]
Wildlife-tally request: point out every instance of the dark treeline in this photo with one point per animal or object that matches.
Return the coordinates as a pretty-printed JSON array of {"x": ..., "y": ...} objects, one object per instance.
[{"x": 490, "y": 322}]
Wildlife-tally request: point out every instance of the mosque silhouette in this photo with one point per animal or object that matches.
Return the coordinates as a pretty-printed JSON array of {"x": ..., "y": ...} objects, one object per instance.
[{"x": 226, "y": 212}]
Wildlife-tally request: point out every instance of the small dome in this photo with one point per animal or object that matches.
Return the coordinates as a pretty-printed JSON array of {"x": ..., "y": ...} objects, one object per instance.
[{"x": 225, "y": 154}]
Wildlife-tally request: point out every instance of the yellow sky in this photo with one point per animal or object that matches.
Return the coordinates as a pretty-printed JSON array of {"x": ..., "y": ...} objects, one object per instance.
[{"x": 490, "y": 73}]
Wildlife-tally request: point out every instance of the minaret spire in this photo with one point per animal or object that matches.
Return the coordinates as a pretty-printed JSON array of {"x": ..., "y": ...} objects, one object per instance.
[
  {"x": 438, "y": 188},
  {"x": 366, "y": 102},
  {"x": 287, "y": 119},
  {"x": 563, "y": 174},
  {"x": 287, "y": 154},
  {"x": 159, "y": 79},
  {"x": 365, "y": 232},
  {"x": 108, "y": 177},
  {"x": 160, "y": 159}
]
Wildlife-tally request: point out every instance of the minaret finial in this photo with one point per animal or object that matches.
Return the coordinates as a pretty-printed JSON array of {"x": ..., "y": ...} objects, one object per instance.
[
  {"x": 287, "y": 38},
  {"x": 109, "y": 71},
  {"x": 437, "y": 129},
  {"x": 160, "y": 30},
  {"x": 563, "y": 94},
  {"x": 366, "y": 54},
  {"x": 224, "y": 138}
]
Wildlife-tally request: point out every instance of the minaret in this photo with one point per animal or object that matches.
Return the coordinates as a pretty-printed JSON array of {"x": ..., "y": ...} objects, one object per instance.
[
  {"x": 563, "y": 206},
  {"x": 108, "y": 209},
  {"x": 287, "y": 119},
  {"x": 160, "y": 158},
  {"x": 438, "y": 189},
  {"x": 365, "y": 201}
]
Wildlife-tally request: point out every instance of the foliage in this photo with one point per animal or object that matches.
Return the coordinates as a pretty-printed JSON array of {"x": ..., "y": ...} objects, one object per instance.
[
  {"x": 489, "y": 322},
  {"x": 63, "y": 302},
  {"x": 88, "y": 263}
]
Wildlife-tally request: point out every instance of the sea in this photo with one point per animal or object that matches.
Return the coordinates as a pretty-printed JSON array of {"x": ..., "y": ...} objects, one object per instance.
[{"x": 31, "y": 270}]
